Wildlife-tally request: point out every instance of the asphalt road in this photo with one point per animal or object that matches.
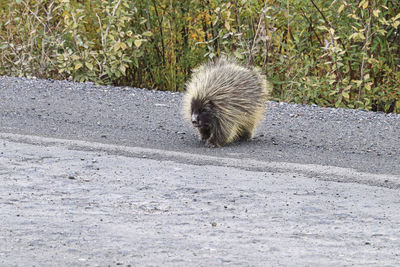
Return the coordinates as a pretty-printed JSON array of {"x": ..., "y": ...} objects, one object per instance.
[
  {"x": 364, "y": 141},
  {"x": 97, "y": 175},
  {"x": 65, "y": 207}
]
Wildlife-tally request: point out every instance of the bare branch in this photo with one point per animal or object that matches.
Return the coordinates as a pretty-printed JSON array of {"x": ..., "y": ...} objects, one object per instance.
[
  {"x": 262, "y": 15},
  {"x": 364, "y": 54}
]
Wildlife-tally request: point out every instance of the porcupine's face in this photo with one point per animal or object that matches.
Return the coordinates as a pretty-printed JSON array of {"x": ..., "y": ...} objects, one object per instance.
[{"x": 202, "y": 114}]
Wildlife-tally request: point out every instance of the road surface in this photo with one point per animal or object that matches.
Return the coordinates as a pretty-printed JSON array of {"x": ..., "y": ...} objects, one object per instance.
[{"x": 96, "y": 175}]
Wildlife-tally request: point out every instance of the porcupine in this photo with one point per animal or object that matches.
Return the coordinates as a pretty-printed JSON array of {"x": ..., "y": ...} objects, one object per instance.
[{"x": 225, "y": 101}]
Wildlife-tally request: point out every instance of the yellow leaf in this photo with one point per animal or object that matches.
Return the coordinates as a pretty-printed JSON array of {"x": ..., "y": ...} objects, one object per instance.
[
  {"x": 78, "y": 66},
  {"x": 324, "y": 28},
  {"x": 340, "y": 9},
  {"x": 383, "y": 21},
  {"x": 357, "y": 35},
  {"x": 363, "y": 4},
  {"x": 397, "y": 17},
  {"x": 147, "y": 34},
  {"x": 122, "y": 68},
  {"x": 346, "y": 95},
  {"x": 117, "y": 46},
  {"x": 376, "y": 12},
  {"x": 123, "y": 46},
  {"x": 357, "y": 82},
  {"x": 227, "y": 26},
  {"x": 368, "y": 86},
  {"x": 89, "y": 65},
  {"x": 75, "y": 57},
  {"x": 353, "y": 36},
  {"x": 138, "y": 42}
]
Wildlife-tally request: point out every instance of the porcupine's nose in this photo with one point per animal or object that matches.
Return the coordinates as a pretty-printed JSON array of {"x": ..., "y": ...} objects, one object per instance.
[{"x": 195, "y": 119}]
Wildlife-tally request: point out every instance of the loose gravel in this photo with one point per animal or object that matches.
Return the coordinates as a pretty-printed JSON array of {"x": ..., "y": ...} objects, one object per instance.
[{"x": 365, "y": 141}]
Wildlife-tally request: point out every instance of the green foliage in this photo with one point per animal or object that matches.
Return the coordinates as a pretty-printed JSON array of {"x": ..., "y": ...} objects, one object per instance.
[{"x": 333, "y": 53}]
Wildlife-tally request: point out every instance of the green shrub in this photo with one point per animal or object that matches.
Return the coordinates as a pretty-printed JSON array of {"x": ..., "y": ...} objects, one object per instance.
[{"x": 331, "y": 53}]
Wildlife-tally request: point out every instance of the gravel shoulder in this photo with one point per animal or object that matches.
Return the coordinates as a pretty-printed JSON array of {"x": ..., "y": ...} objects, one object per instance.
[{"x": 364, "y": 141}]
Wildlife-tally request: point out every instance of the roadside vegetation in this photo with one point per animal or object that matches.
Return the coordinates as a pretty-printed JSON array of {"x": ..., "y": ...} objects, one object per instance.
[{"x": 340, "y": 53}]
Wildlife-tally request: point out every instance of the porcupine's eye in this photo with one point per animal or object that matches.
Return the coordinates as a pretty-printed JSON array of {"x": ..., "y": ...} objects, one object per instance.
[{"x": 205, "y": 116}]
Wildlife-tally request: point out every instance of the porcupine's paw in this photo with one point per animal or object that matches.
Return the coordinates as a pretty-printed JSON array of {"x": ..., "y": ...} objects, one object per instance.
[
  {"x": 203, "y": 138},
  {"x": 211, "y": 144},
  {"x": 246, "y": 136}
]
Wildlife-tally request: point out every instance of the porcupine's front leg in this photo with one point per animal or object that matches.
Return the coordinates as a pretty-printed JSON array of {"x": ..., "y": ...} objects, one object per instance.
[
  {"x": 246, "y": 134},
  {"x": 217, "y": 138},
  {"x": 204, "y": 134}
]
